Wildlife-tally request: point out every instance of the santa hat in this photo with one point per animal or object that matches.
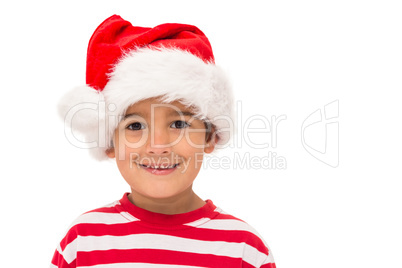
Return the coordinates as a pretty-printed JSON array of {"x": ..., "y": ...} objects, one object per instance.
[{"x": 127, "y": 64}]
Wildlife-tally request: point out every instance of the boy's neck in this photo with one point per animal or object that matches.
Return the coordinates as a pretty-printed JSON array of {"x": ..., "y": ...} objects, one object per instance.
[{"x": 185, "y": 202}]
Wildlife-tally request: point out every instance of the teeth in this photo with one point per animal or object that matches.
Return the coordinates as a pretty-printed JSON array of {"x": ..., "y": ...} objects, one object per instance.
[
  {"x": 160, "y": 167},
  {"x": 164, "y": 167}
]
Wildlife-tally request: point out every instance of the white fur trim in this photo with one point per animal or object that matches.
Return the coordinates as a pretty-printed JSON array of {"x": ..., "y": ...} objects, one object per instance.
[{"x": 168, "y": 73}]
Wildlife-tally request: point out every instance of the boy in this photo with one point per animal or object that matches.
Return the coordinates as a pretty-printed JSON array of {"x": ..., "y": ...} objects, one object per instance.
[{"x": 165, "y": 104}]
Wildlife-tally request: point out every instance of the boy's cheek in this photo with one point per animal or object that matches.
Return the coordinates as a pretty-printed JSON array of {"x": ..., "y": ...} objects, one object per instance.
[
  {"x": 196, "y": 140},
  {"x": 133, "y": 140}
]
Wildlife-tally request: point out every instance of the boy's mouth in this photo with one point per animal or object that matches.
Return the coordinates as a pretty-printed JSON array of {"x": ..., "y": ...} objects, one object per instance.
[{"x": 161, "y": 169}]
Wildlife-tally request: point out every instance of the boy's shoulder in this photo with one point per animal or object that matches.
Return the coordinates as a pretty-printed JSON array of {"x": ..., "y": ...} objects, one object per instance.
[
  {"x": 111, "y": 213},
  {"x": 235, "y": 226}
]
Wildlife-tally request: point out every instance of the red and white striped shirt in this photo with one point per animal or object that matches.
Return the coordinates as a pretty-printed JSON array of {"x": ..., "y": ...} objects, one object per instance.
[{"x": 122, "y": 235}]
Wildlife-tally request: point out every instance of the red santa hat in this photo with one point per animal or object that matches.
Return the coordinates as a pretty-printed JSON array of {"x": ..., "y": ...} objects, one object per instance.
[{"x": 127, "y": 64}]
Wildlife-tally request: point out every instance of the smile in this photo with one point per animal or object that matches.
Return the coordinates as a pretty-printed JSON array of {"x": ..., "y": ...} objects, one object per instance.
[
  {"x": 159, "y": 170},
  {"x": 160, "y": 167}
]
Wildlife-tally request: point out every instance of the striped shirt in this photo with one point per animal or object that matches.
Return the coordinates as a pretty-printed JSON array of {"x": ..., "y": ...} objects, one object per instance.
[{"x": 122, "y": 235}]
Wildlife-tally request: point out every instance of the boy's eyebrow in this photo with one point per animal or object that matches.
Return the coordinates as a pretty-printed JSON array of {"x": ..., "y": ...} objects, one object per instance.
[
  {"x": 132, "y": 114},
  {"x": 172, "y": 113}
]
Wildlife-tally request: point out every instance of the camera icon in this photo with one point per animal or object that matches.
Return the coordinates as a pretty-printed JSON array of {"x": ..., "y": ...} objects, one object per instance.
[{"x": 320, "y": 134}]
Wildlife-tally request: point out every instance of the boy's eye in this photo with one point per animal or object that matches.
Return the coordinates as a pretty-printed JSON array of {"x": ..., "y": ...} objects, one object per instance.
[
  {"x": 136, "y": 126},
  {"x": 179, "y": 124}
]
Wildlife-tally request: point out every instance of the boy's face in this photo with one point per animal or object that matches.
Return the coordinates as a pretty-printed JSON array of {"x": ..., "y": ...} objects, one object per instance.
[{"x": 159, "y": 148}]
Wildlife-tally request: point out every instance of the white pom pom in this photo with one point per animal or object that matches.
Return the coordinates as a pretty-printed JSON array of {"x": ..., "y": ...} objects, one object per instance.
[{"x": 84, "y": 119}]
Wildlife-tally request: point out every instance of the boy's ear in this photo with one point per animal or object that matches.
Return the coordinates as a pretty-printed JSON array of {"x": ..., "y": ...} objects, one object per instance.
[
  {"x": 110, "y": 152},
  {"x": 209, "y": 147},
  {"x": 211, "y": 141}
]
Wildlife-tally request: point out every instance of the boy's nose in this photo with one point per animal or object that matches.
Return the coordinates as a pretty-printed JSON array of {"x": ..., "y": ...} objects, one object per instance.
[{"x": 159, "y": 143}]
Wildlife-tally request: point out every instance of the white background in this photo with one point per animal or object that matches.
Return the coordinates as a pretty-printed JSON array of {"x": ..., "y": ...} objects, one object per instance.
[{"x": 285, "y": 58}]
